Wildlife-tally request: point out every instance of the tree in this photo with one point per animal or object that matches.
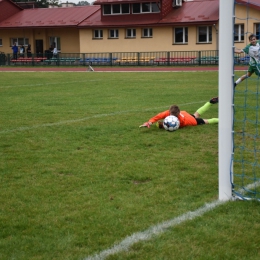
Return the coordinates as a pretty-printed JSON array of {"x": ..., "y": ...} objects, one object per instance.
[
  {"x": 82, "y": 3},
  {"x": 40, "y": 3}
]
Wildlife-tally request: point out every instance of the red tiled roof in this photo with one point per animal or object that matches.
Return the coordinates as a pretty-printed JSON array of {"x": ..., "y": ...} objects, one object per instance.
[
  {"x": 49, "y": 17},
  {"x": 119, "y": 21},
  {"x": 252, "y": 3},
  {"x": 8, "y": 9},
  {"x": 13, "y": 3},
  {"x": 195, "y": 12}
]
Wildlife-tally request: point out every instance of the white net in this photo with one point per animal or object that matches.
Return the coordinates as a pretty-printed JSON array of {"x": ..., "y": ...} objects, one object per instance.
[{"x": 245, "y": 166}]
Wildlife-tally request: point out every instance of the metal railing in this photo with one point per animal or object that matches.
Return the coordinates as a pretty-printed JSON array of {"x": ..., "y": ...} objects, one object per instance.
[{"x": 165, "y": 58}]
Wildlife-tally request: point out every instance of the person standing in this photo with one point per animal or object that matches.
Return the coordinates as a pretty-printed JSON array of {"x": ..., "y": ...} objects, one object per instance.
[
  {"x": 15, "y": 51},
  {"x": 55, "y": 52},
  {"x": 22, "y": 51},
  {"x": 29, "y": 51}
]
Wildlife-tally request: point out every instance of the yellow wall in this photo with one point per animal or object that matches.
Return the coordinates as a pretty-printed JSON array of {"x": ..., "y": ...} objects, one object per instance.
[
  {"x": 6, "y": 35},
  {"x": 162, "y": 40},
  {"x": 241, "y": 12},
  {"x": 69, "y": 38}
]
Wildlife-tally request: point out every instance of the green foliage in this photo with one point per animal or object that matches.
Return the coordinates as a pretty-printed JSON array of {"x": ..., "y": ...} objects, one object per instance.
[
  {"x": 41, "y": 3},
  {"x": 78, "y": 175},
  {"x": 83, "y": 3}
]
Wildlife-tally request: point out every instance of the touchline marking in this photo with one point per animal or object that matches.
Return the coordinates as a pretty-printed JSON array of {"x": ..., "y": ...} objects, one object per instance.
[
  {"x": 69, "y": 82},
  {"x": 153, "y": 231},
  {"x": 25, "y": 128},
  {"x": 47, "y": 84},
  {"x": 161, "y": 228}
]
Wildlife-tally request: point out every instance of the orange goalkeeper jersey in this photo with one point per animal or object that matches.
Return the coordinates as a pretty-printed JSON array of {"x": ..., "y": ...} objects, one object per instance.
[{"x": 184, "y": 117}]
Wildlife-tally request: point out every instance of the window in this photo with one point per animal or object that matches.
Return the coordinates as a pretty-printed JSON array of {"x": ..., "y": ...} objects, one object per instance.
[
  {"x": 98, "y": 34},
  {"x": 55, "y": 42},
  {"x": 113, "y": 33},
  {"x": 205, "y": 34},
  {"x": 181, "y": 35},
  {"x": 106, "y": 9},
  {"x": 1, "y": 42},
  {"x": 130, "y": 33},
  {"x": 155, "y": 8},
  {"x": 125, "y": 8},
  {"x": 257, "y": 30},
  {"x": 136, "y": 8},
  {"x": 239, "y": 32},
  {"x": 145, "y": 8},
  {"x": 19, "y": 41},
  {"x": 147, "y": 32},
  {"x": 116, "y": 9}
]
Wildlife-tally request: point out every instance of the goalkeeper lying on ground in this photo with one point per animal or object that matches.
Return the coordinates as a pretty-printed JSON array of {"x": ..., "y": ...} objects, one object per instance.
[{"x": 185, "y": 118}]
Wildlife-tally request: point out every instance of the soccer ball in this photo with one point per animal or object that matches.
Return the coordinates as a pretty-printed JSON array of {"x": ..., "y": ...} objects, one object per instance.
[{"x": 171, "y": 123}]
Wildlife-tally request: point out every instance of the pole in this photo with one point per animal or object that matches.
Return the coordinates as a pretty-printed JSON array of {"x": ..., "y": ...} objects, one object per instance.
[{"x": 226, "y": 54}]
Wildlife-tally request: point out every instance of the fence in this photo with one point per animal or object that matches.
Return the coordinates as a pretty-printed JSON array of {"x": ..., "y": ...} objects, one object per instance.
[{"x": 167, "y": 58}]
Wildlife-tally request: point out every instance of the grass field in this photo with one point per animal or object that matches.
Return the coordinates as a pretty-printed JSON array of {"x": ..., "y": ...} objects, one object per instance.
[{"x": 78, "y": 176}]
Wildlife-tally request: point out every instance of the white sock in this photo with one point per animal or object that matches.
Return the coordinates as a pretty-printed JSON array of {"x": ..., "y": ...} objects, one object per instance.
[{"x": 238, "y": 81}]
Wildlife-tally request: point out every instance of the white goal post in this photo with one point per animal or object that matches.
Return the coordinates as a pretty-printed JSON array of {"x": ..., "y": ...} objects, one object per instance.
[{"x": 225, "y": 86}]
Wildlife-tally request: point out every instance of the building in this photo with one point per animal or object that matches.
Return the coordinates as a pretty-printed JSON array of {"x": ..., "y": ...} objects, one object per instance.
[
  {"x": 67, "y": 4},
  {"x": 119, "y": 26}
]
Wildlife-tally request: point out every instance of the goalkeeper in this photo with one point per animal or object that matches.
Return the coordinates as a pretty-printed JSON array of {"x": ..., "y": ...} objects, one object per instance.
[
  {"x": 184, "y": 117},
  {"x": 253, "y": 50}
]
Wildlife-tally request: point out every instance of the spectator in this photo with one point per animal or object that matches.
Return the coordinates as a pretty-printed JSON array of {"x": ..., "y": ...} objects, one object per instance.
[
  {"x": 15, "y": 51},
  {"x": 29, "y": 51},
  {"x": 22, "y": 51},
  {"x": 55, "y": 52}
]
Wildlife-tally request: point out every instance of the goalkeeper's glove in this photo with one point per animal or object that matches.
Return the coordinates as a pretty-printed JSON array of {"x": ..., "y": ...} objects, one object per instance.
[{"x": 146, "y": 124}]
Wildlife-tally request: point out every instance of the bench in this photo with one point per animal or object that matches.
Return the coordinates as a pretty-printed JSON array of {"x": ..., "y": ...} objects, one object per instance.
[
  {"x": 146, "y": 59},
  {"x": 61, "y": 60},
  {"x": 127, "y": 60},
  {"x": 23, "y": 60},
  {"x": 173, "y": 60},
  {"x": 182, "y": 59},
  {"x": 208, "y": 59},
  {"x": 244, "y": 60},
  {"x": 134, "y": 60}
]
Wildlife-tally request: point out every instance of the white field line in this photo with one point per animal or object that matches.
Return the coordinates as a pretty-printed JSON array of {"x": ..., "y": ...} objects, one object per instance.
[
  {"x": 119, "y": 71},
  {"x": 104, "y": 71},
  {"x": 153, "y": 231},
  {"x": 69, "y": 82},
  {"x": 48, "y": 84},
  {"x": 26, "y": 128}
]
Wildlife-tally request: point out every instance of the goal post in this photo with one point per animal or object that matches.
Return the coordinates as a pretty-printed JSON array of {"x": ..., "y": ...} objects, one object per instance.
[{"x": 225, "y": 86}]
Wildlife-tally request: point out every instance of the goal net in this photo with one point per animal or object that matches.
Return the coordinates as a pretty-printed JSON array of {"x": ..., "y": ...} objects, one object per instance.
[{"x": 245, "y": 159}]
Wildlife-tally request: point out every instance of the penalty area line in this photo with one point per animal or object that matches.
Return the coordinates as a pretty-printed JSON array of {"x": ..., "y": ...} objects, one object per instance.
[
  {"x": 161, "y": 228},
  {"x": 26, "y": 128},
  {"x": 153, "y": 231}
]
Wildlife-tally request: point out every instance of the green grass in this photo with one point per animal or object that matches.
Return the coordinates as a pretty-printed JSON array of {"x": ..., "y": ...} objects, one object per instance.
[{"x": 77, "y": 175}]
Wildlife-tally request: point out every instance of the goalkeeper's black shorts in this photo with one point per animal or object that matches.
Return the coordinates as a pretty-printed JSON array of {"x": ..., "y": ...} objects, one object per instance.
[{"x": 200, "y": 121}]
